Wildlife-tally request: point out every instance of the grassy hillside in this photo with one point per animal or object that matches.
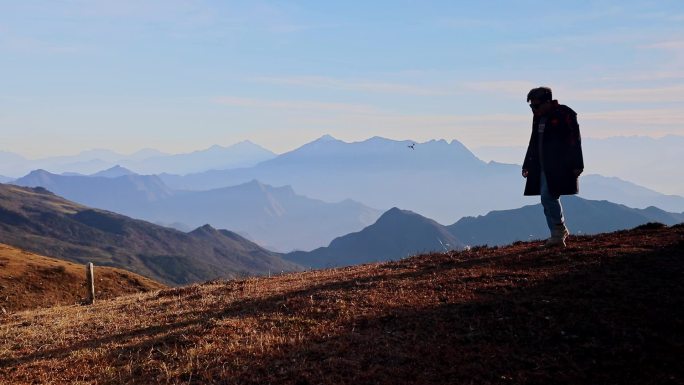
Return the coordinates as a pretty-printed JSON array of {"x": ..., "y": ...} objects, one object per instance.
[
  {"x": 29, "y": 281},
  {"x": 608, "y": 309}
]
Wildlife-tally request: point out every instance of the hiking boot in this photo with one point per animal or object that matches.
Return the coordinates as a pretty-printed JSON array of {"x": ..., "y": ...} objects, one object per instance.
[{"x": 558, "y": 236}]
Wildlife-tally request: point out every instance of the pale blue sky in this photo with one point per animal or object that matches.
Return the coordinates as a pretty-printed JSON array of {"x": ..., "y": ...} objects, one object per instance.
[{"x": 182, "y": 75}]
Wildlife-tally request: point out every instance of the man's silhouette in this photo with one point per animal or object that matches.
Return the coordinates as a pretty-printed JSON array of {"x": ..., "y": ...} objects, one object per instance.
[{"x": 553, "y": 162}]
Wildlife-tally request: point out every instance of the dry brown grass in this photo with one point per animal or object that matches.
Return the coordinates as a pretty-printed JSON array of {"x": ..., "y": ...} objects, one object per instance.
[
  {"x": 29, "y": 281},
  {"x": 607, "y": 309}
]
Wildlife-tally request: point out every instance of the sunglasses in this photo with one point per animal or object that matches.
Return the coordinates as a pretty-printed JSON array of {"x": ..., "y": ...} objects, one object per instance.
[{"x": 534, "y": 106}]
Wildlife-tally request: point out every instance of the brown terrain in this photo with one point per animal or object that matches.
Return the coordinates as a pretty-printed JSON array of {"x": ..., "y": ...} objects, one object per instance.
[
  {"x": 29, "y": 281},
  {"x": 608, "y": 309}
]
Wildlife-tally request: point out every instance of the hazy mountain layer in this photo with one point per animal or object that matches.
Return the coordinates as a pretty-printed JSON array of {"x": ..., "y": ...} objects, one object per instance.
[
  {"x": 40, "y": 222},
  {"x": 127, "y": 194},
  {"x": 617, "y": 190},
  {"x": 146, "y": 161},
  {"x": 440, "y": 180},
  {"x": 243, "y": 154},
  {"x": 275, "y": 217},
  {"x": 437, "y": 179}
]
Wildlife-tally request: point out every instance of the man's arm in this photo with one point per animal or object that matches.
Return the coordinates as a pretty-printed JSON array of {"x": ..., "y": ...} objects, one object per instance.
[
  {"x": 575, "y": 145},
  {"x": 528, "y": 155}
]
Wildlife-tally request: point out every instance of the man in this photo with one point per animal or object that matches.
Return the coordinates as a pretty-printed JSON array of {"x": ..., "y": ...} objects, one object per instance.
[{"x": 553, "y": 162}]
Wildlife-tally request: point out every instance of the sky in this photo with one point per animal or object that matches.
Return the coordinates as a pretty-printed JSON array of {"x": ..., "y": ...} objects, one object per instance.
[{"x": 182, "y": 75}]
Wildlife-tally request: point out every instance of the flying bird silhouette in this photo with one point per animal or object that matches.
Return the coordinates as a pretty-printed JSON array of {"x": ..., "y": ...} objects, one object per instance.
[{"x": 412, "y": 146}]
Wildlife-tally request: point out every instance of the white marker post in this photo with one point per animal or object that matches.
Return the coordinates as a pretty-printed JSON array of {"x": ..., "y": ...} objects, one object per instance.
[{"x": 90, "y": 283}]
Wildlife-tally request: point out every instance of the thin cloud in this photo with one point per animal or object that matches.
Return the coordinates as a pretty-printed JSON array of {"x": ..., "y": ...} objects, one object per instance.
[
  {"x": 295, "y": 105},
  {"x": 467, "y": 23},
  {"x": 32, "y": 45},
  {"x": 350, "y": 85},
  {"x": 370, "y": 115},
  {"x": 674, "y": 93},
  {"x": 571, "y": 43},
  {"x": 645, "y": 76},
  {"x": 669, "y": 45},
  {"x": 513, "y": 88},
  {"x": 643, "y": 117},
  {"x": 657, "y": 94},
  {"x": 673, "y": 48}
]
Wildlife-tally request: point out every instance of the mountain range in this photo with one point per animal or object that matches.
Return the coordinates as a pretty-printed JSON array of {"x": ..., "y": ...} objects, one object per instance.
[
  {"x": 401, "y": 233},
  {"x": 597, "y": 187},
  {"x": 275, "y": 217},
  {"x": 147, "y": 161},
  {"x": 438, "y": 179},
  {"x": 582, "y": 217},
  {"x": 127, "y": 194},
  {"x": 396, "y": 234},
  {"x": 38, "y": 221}
]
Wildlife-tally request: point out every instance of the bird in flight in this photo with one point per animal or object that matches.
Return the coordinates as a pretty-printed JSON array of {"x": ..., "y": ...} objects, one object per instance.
[{"x": 412, "y": 146}]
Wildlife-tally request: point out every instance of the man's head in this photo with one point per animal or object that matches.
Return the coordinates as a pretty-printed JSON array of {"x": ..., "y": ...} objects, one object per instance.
[{"x": 539, "y": 98}]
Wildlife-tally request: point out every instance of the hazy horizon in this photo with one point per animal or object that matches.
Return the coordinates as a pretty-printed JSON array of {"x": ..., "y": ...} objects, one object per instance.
[{"x": 475, "y": 149}]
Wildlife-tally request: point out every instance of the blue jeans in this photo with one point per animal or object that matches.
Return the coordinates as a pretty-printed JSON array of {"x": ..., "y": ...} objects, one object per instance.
[{"x": 552, "y": 206}]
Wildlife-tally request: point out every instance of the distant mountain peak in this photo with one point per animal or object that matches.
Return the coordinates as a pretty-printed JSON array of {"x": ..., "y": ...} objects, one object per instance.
[
  {"x": 212, "y": 232},
  {"x": 39, "y": 172},
  {"x": 257, "y": 185},
  {"x": 247, "y": 143},
  {"x": 254, "y": 183},
  {"x": 395, "y": 211},
  {"x": 395, "y": 214},
  {"x": 380, "y": 139},
  {"x": 326, "y": 138},
  {"x": 37, "y": 176},
  {"x": 206, "y": 229},
  {"x": 114, "y": 172},
  {"x": 214, "y": 147},
  {"x": 396, "y": 234}
]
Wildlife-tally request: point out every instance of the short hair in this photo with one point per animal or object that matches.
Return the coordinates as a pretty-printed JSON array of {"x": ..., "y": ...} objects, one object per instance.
[{"x": 543, "y": 94}]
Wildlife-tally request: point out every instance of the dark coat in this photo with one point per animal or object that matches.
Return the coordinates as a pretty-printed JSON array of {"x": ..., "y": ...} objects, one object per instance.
[{"x": 562, "y": 153}]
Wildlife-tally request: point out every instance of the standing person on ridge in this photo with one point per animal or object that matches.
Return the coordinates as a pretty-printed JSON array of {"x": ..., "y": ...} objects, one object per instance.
[{"x": 553, "y": 162}]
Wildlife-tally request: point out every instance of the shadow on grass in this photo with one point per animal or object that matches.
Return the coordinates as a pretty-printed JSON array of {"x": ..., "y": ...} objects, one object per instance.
[{"x": 620, "y": 321}]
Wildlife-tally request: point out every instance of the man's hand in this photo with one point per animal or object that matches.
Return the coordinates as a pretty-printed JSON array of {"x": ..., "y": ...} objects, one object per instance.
[
  {"x": 577, "y": 172},
  {"x": 524, "y": 173}
]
